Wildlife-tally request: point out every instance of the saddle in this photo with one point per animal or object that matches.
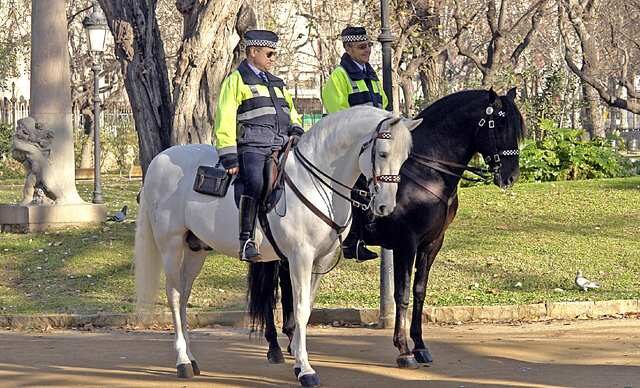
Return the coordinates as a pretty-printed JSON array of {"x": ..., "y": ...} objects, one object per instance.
[{"x": 214, "y": 181}]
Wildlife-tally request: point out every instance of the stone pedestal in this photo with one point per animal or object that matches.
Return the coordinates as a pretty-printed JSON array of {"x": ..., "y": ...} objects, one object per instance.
[{"x": 27, "y": 219}]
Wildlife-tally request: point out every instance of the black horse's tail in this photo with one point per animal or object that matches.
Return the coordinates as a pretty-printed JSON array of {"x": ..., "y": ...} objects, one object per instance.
[{"x": 262, "y": 292}]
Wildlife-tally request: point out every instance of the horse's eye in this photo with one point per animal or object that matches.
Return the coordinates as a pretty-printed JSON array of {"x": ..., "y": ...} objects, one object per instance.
[{"x": 383, "y": 154}]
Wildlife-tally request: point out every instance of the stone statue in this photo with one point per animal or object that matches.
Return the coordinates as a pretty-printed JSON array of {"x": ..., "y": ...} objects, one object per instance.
[{"x": 32, "y": 147}]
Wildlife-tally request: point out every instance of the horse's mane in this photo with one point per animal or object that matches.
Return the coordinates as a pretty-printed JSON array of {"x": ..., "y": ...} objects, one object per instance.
[
  {"x": 440, "y": 111},
  {"x": 361, "y": 119},
  {"x": 335, "y": 122}
]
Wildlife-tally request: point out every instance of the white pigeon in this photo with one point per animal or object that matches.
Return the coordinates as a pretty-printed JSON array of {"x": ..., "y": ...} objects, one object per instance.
[{"x": 584, "y": 283}]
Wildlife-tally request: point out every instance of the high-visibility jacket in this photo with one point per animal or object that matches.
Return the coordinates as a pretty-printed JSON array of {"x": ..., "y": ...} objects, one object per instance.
[
  {"x": 347, "y": 87},
  {"x": 250, "y": 113}
]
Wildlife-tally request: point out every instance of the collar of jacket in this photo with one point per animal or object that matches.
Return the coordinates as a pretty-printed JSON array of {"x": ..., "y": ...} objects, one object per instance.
[
  {"x": 355, "y": 73},
  {"x": 251, "y": 78}
]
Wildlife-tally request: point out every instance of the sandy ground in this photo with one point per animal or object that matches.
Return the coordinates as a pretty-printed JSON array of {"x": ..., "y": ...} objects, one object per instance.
[{"x": 553, "y": 354}]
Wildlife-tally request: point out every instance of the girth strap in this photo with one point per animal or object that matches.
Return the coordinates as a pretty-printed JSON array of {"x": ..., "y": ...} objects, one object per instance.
[
  {"x": 339, "y": 229},
  {"x": 266, "y": 228}
]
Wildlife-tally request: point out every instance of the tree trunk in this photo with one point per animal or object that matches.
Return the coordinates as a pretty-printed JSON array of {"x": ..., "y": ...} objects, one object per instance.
[
  {"x": 86, "y": 153},
  {"x": 433, "y": 78},
  {"x": 591, "y": 119},
  {"x": 140, "y": 51},
  {"x": 408, "y": 91},
  {"x": 212, "y": 30}
]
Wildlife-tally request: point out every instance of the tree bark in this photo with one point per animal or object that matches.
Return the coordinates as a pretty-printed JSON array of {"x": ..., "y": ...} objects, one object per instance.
[
  {"x": 592, "y": 120},
  {"x": 433, "y": 78},
  {"x": 212, "y": 30},
  {"x": 140, "y": 51}
]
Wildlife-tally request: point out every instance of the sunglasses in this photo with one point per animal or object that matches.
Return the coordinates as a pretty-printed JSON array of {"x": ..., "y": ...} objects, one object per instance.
[
  {"x": 271, "y": 54},
  {"x": 363, "y": 46}
]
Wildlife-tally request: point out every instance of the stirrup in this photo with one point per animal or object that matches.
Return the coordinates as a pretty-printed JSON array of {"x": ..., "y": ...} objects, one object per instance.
[
  {"x": 359, "y": 244},
  {"x": 243, "y": 256}
]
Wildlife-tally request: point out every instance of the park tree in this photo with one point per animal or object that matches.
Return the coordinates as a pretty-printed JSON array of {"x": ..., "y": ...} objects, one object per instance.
[
  {"x": 601, "y": 47},
  {"x": 420, "y": 50},
  {"x": 495, "y": 47},
  {"x": 15, "y": 37},
  {"x": 181, "y": 111}
]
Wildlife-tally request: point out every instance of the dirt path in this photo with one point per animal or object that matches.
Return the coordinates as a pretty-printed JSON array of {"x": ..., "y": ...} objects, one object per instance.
[{"x": 558, "y": 354}]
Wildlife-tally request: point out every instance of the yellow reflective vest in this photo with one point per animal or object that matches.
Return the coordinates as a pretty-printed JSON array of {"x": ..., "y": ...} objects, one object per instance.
[
  {"x": 247, "y": 114},
  {"x": 347, "y": 87}
]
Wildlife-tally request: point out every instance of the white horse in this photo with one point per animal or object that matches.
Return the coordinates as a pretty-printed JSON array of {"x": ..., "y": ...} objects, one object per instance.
[{"x": 341, "y": 145}]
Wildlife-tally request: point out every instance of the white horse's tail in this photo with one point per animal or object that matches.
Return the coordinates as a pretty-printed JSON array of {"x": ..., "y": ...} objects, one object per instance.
[{"x": 147, "y": 261}]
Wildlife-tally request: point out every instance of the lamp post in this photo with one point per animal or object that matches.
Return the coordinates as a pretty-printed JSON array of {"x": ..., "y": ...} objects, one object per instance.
[
  {"x": 96, "y": 27},
  {"x": 387, "y": 304}
]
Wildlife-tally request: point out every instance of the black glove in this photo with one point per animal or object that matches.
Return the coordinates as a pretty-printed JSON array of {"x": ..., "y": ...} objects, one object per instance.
[
  {"x": 229, "y": 161},
  {"x": 295, "y": 130},
  {"x": 294, "y": 140}
]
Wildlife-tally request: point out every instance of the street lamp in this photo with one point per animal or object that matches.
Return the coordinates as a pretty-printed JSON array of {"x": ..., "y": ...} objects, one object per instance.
[
  {"x": 96, "y": 27},
  {"x": 387, "y": 304}
]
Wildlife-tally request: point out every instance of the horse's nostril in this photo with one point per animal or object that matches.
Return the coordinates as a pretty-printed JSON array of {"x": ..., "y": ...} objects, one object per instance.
[{"x": 382, "y": 208}]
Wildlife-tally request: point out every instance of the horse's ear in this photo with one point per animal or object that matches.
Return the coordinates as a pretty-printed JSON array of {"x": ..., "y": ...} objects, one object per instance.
[
  {"x": 512, "y": 94},
  {"x": 395, "y": 119},
  {"x": 492, "y": 96},
  {"x": 411, "y": 124}
]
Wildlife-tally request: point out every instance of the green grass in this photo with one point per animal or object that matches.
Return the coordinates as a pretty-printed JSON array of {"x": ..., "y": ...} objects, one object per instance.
[{"x": 535, "y": 234}]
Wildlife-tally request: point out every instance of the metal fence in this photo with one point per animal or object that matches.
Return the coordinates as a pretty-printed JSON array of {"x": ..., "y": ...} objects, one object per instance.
[{"x": 13, "y": 109}]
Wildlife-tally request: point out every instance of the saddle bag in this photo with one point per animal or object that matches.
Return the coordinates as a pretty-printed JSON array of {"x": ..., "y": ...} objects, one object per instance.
[{"x": 212, "y": 181}]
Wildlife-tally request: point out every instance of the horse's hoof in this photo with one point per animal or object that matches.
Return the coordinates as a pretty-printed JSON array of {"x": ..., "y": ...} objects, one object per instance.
[
  {"x": 311, "y": 380},
  {"x": 185, "y": 371},
  {"x": 296, "y": 372},
  {"x": 275, "y": 356},
  {"x": 423, "y": 356},
  {"x": 196, "y": 370},
  {"x": 289, "y": 350},
  {"x": 407, "y": 362}
]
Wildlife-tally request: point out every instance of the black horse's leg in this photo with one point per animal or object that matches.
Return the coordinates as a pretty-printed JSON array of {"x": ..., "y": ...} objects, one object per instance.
[
  {"x": 426, "y": 256},
  {"x": 274, "y": 354},
  {"x": 424, "y": 259},
  {"x": 403, "y": 258},
  {"x": 286, "y": 299}
]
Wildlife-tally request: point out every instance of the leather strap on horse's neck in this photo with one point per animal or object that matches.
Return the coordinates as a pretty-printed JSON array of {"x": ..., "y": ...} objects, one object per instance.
[{"x": 339, "y": 229}]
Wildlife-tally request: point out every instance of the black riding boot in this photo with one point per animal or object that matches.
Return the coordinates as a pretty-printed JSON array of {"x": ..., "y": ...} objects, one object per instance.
[
  {"x": 353, "y": 247},
  {"x": 248, "y": 212}
]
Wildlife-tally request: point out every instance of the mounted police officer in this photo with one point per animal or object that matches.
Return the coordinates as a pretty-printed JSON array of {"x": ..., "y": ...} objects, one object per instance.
[
  {"x": 354, "y": 82},
  {"x": 255, "y": 117}
]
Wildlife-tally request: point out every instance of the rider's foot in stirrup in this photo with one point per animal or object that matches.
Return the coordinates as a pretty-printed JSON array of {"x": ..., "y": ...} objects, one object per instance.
[
  {"x": 249, "y": 252},
  {"x": 358, "y": 251}
]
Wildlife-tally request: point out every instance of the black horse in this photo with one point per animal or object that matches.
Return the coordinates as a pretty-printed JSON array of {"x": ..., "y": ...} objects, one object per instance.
[{"x": 453, "y": 130}]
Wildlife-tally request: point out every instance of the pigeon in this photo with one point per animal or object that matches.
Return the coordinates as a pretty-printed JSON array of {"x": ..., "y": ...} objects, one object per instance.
[
  {"x": 584, "y": 283},
  {"x": 120, "y": 215}
]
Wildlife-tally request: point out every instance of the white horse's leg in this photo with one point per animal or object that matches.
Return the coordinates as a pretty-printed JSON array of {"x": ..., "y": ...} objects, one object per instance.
[
  {"x": 325, "y": 263},
  {"x": 191, "y": 266},
  {"x": 172, "y": 249},
  {"x": 301, "y": 269}
]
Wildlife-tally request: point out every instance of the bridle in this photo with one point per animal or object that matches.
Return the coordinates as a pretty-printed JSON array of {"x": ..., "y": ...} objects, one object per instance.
[
  {"x": 493, "y": 160},
  {"x": 323, "y": 177}
]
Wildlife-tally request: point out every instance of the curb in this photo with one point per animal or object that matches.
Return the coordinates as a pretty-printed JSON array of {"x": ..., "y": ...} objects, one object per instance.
[{"x": 339, "y": 316}]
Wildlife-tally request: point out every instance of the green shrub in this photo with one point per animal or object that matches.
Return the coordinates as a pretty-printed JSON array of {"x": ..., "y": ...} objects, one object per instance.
[
  {"x": 562, "y": 155},
  {"x": 6, "y": 133}
]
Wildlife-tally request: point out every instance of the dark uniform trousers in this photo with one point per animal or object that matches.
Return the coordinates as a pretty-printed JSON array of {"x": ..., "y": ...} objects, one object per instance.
[{"x": 252, "y": 162}]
